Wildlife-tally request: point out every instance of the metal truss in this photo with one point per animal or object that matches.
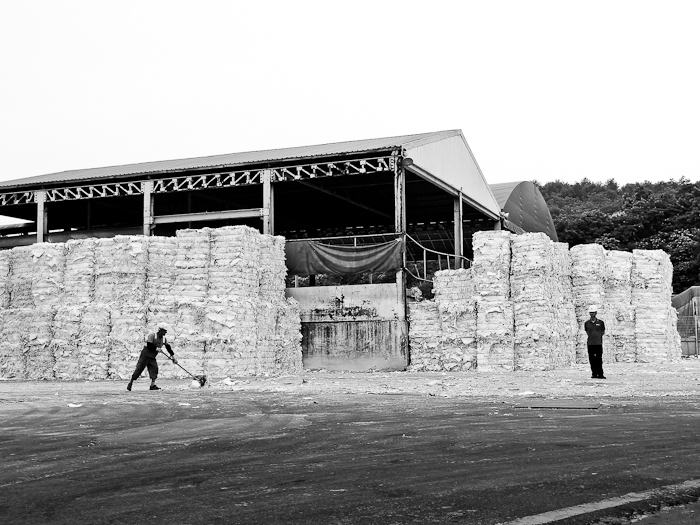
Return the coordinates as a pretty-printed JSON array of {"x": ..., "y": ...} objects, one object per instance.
[
  {"x": 333, "y": 169},
  {"x": 21, "y": 197},
  {"x": 116, "y": 189},
  {"x": 206, "y": 181}
]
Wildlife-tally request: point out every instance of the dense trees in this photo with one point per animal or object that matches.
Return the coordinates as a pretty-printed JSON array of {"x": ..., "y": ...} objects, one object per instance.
[{"x": 663, "y": 215}]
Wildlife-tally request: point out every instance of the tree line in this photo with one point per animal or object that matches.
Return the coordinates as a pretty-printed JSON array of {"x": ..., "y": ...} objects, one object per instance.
[{"x": 643, "y": 215}]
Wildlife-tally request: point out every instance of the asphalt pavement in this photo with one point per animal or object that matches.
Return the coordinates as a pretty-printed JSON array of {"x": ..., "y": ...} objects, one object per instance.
[{"x": 327, "y": 448}]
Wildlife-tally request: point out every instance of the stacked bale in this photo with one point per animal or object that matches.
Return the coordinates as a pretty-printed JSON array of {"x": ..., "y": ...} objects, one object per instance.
[
  {"x": 4, "y": 279},
  {"x": 13, "y": 343},
  {"x": 79, "y": 278},
  {"x": 94, "y": 342},
  {"x": 161, "y": 270},
  {"x": 287, "y": 338},
  {"x": 454, "y": 294},
  {"x": 534, "y": 300},
  {"x": 232, "y": 338},
  {"x": 40, "y": 360},
  {"x": 64, "y": 345},
  {"x": 565, "y": 326},
  {"x": 187, "y": 337},
  {"x": 192, "y": 255},
  {"x": 424, "y": 336},
  {"x": 655, "y": 329},
  {"x": 120, "y": 270},
  {"x": 20, "y": 278},
  {"x": 127, "y": 336},
  {"x": 48, "y": 265},
  {"x": 588, "y": 272},
  {"x": 619, "y": 339},
  {"x": 494, "y": 320}
]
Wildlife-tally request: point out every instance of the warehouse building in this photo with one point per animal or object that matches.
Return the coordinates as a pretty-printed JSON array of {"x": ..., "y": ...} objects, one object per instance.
[{"x": 361, "y": 217}]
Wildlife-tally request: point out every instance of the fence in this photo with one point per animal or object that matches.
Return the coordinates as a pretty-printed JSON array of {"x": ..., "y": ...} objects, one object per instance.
[{"x": 688, "y": 329}]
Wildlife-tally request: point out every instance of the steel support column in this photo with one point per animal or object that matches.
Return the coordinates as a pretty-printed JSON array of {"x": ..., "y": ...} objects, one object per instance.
[
  {"x": 41, "y": 215},
  {"x": 400, "y": 227},
  {"x": 268, "y": 203},
  {"x": 147, "y": 187},
  {"x": 459, "y": 236}
]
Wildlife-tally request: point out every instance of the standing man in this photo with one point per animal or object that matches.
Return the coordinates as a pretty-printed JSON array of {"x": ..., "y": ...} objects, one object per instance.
[
  {"x": 147, "y": 359},
  {"x": 595, "y": 328}
]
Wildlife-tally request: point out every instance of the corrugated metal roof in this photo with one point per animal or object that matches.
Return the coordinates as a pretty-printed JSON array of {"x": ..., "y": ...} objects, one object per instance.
[
  {"x": 502, "y": 191},
  {"x": 231, "y": 160}
]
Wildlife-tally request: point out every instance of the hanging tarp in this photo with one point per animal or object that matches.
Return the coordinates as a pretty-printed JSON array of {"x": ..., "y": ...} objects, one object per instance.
[{"x": 314, "y": 257}]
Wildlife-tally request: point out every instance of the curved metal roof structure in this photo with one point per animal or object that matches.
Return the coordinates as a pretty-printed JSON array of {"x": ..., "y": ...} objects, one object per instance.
[{"x": 525, "y": 206}]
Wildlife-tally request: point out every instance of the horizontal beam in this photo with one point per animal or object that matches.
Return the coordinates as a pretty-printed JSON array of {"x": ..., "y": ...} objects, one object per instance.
[{"x": 208, "y": 216}]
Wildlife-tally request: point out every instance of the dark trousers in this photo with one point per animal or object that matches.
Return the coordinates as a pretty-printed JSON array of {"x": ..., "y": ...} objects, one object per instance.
[
  {"x": 595, "y": 357},
  {"x": 146, "y": 362}
]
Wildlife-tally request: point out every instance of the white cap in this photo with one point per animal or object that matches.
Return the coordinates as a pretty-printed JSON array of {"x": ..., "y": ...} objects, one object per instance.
[
  {"x": 163, "y": 326},
  {"x": 592, "y": 308}
]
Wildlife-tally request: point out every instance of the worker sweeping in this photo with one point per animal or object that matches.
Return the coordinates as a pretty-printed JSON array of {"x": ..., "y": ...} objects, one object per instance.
[{"x": 147, "y": 359}]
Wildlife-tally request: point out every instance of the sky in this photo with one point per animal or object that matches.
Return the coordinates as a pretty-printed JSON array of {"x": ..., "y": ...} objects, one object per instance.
[{"x": 542, "y": 90}]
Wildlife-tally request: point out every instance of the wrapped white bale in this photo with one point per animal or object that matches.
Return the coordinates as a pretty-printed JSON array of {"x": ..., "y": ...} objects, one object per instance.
[
  {"x": 40, "y": 358},
  {"x": 20, "y": 278},
  {"x": 619, "y": 344},
  {"x": 588, "y": 274},
  {"x": 79, "y": 277},
  {"x": 193, "y": 253},
  {"x": 4, "y": 279},
  {"x": 458, "y": 336},
  {"x": 287, "y": 338},
  {"x": 533, "y": 337},
  {"x": 49, "y": 264},
  {"x": 233, "y": 319},
  {"x": 161, "y": 270},
  {"x": 127, "y": 337},
  {"x": 424, "y": 336},
  {"x": 618, "y": 280},
  {"x": 453, "y": 285},
  {"x": 236, "y": 259},
  {"x": 652, "y": 273},
  {"x": 120, "y": 270},
  {"x": 491, "y": 265},
  {"x": 564, "y": 336},
  {"x": 94, "y": 343},
  {"x": 272, "y": 270},
  {"x": 495, "y": 348},
  {"x": 13, "y": 357},
  {"x": 66, "y": 333}
]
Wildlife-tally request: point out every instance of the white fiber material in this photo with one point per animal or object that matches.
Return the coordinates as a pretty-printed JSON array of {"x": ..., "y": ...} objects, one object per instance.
[{"x": 82, "y": 310}]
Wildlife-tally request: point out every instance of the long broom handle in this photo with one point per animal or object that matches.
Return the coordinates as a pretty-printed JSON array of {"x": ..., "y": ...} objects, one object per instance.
[{"x": 178, "y": 364}]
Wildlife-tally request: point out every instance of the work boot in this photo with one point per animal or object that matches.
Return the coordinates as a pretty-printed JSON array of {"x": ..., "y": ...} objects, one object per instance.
[
  {"x": 154, "y": 387},
  {"x": 131, "y": 383}
]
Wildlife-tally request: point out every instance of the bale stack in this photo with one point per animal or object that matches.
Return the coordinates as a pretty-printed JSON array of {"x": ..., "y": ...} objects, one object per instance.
[
  {"x": 161, "y": 270},
  {"x": 534, "y": 298},
  {"x": 565, "y": 327},
  {"x": 40, "y": 360},
  {"x": 94, "y": 342},
  {"x": 424, "y": 336},
  {"x": 187, "y": 337},
  {"x": 588, "y": 272},
  {"x": 287, "y": 338},
  {"x": 652, "y": 272},
  {"x": 13, "y": 343},
  {"x": 64, "y": 345},
  {"x": 232, "y": 338},
  {"x": 454, "y": 295},
  {"x": 192, "y": 255},
  {"x": 49, "y": 265},
  {"x": 120, "y": 270},
  {"x": 4, "y": 278},
  {"x": 272, "y": 271},
  {"x": 127, "y": 336},
  {"x": 619, "y": 339},
  {"x": 494, "y": 321},
  {"x": 20, "y": 278},
  {"x": 79, "y": 278}
]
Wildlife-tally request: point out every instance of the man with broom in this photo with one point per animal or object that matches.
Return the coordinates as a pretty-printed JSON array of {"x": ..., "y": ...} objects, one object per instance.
[{"x": 147, "y": 359}]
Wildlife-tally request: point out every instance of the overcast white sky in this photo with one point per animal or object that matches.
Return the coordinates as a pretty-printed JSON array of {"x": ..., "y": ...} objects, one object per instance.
[{"x": 542, "y": 90}]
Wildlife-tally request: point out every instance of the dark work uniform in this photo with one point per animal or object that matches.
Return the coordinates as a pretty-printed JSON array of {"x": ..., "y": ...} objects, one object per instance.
[
  {"x": 147, "y": 359},
  {"x": 595, "y": 330}
]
